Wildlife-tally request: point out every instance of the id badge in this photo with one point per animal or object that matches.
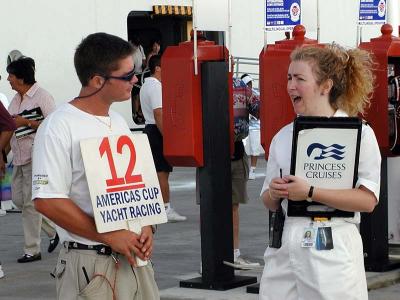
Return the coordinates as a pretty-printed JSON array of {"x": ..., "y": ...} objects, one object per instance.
[
  {"x": 324, "y": 240},
  {"x": 308, "y": 240}
]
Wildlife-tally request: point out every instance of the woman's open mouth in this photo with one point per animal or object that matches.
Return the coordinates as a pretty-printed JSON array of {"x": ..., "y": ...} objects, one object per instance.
[{"x": 296, "y": 99}]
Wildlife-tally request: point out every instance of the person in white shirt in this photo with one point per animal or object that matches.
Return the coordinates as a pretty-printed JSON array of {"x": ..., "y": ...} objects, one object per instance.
[
  {"x": 328, "y": 82},
  {"x": 151, "y": 102},
  {"x": 139, "y": 58},
  {"x": 252, "y": 143},
  {"x": 91, "y": 265}
]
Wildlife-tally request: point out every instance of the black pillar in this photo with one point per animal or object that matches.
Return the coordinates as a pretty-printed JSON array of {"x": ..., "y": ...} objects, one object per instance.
[{"x": 216, "y": 185}]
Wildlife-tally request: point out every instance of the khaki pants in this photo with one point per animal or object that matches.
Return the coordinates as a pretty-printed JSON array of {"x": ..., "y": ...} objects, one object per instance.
[
  {"x": 31, "y": 220},
  {"x": 130, "y": 283}
]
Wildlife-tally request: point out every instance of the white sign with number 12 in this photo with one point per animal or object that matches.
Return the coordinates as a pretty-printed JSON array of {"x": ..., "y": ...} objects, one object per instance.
[{"x": 123, "y": 182}]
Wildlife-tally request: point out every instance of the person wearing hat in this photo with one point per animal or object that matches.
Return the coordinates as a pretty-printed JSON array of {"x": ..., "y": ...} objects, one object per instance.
[{"x": 252, "y": 142}]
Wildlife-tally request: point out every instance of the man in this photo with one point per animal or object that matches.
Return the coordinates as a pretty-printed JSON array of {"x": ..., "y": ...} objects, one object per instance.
[
  {"x": 7, "y": 127},
  {"x": 245, "y": 102},
  {"x": 252, "y": 142},
  {"x": 90, "y": 264},
  {"x": 151, "y": 102},
  {"x": 139, "y": 58},
  {"x": 21, "y": 76}
]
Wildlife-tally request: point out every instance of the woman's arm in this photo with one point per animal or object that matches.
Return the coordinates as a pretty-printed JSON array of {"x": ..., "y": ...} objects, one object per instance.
[{"x": 357, "y": 199}]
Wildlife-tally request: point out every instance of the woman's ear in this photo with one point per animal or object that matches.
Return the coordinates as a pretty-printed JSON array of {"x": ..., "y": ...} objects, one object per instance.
[{"x": 326, "y": 87}]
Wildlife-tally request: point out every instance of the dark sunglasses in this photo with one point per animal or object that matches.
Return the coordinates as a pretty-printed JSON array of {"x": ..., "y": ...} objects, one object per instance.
[{"x": 127, "y": 77}]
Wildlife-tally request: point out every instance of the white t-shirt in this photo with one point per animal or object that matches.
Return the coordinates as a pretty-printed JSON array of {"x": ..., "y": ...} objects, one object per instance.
[
  {"x": 58, "y": 170},
  {"x": 138, "y": 57},
  {"x": 150, "y": 98},
  {"x": 369, "y": 168}
]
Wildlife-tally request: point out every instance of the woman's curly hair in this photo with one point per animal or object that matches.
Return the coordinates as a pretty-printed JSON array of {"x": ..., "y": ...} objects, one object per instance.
[{"x": 351, "y": 72}]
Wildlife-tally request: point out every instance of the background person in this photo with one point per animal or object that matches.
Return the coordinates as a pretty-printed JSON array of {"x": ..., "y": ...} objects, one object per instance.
[
  {"x": 252, "y": 143},
  {"x": 151, "y": 102},
  {"x": 154, "y": 50},
  {"x": 21, "y": 76},
  {"x": 139, "y": 59},
  {"x": 5, "y": 103},
  {"x": 245, "y": 102},
  {"x": 328, "y": 82},
  {"x": 91, "y": 265},
  {"x": 7, "y": 127}
]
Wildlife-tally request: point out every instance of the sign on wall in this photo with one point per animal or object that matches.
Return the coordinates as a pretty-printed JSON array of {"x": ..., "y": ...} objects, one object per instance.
[
  {"x": 282, "y": 14},
  {"x": 372, "y": 12},
  {"x": 123, "y": 182}
]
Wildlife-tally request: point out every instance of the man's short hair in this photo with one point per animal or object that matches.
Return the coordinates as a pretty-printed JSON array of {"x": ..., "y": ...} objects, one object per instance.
[
  {"x": 23, "y": 68},
  {"x": 99, "y": 54},
  {"x": 154, "y": 61}
]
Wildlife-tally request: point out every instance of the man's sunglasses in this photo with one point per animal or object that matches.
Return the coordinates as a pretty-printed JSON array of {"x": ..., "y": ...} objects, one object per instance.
[{"x": 127, "y": 77}]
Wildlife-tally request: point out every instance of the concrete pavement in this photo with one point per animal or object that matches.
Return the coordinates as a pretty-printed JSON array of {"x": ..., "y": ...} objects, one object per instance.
[{"x": 176, "y": 255}]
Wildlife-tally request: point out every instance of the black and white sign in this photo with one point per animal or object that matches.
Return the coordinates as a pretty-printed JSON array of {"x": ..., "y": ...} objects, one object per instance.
[{"x": 325, "y": 153}]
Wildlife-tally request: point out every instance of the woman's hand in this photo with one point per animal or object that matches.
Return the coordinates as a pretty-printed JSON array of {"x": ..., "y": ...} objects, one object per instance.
[
  {"x": 278, "y": 188},
  {"x": 297, "y": 188}
]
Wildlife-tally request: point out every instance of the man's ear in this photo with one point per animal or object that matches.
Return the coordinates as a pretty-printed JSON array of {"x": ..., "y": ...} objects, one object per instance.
[{"x": 96, "y": 81}]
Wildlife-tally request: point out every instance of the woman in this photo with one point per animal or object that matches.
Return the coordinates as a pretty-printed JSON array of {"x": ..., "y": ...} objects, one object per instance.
[
  {"x": 329, "y": 82},
  {"x": 29, "y": 96},
  {"x": 154, "y": 50}
]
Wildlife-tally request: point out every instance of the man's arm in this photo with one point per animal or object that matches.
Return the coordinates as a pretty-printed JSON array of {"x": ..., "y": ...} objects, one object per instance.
[
  {"x": 5, "y": 137},
  {"x": 21, "y": 121},
  {"x": 158, "y": 118},
  {"x": 69, "y": 216},
  {"x": 7, "y": 127}
]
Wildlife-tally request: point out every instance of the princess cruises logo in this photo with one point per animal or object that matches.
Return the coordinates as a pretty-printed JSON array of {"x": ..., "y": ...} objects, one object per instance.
[{"x": 318, "y": 151}]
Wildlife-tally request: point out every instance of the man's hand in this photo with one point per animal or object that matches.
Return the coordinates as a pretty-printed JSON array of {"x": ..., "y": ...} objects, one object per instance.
[
  {"x": 20, "y": 121},
  {"x": 125, "y": 242},
  {"x": 146, "y": 238}
]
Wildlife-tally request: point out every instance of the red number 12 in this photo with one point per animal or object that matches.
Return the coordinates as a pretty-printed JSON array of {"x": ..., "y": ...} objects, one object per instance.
[{"x": 129, "y": 177}]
